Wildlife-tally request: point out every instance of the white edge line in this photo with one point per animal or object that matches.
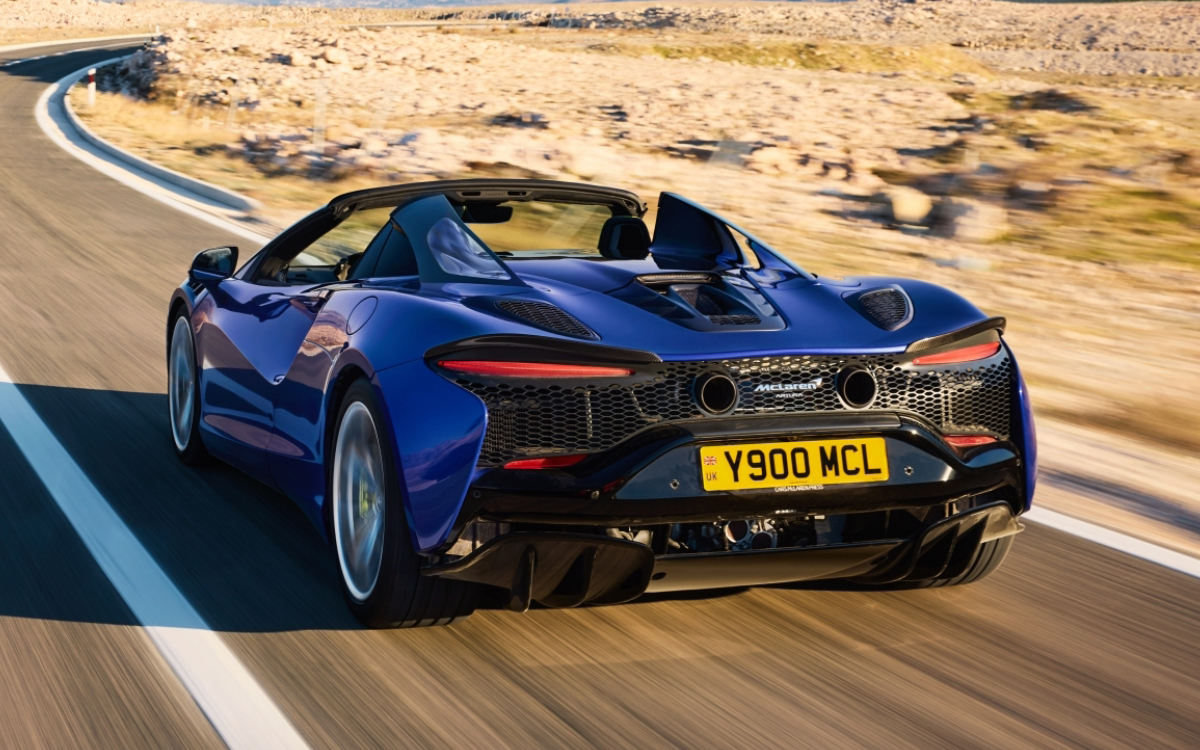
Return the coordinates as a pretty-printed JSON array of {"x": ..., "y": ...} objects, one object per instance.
[
  {"x": 1091, "y": 532},
  {"x": 239, "y": 710},
  {"x": 51, "y": 126},
  {"x": 1167, "y": 558},
  {"x": 177, "y": 182}
]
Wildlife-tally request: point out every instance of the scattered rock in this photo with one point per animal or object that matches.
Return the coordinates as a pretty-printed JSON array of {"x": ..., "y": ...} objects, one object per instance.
[
  {"x": 1039, "y": 194},
  {"x": 773, "y": 160},
  {"x": 905, "y": 205},
  {"x": 970, "y": 220}
]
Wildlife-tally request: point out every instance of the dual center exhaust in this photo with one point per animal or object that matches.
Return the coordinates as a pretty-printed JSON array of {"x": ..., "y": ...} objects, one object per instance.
[
  {"x": 742, "y": 534},
  {"x": 718, "y": 394}
]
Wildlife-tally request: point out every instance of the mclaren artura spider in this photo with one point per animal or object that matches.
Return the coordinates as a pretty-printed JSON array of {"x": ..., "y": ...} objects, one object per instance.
[{"x": 512, "y": 386}]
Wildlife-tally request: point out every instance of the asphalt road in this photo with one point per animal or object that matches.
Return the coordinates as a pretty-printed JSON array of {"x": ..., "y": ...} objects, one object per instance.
[{"x": 1069, "y": 645}]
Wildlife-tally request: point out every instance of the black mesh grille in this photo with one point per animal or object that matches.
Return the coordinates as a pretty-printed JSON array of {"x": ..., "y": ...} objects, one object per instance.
[
  {"x": 546, "y": 315},
  {"x": 531, "y": 419},
  {"x": 888, "y": 307}
]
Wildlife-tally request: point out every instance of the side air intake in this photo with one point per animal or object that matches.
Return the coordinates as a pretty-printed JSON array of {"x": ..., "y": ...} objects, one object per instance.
[
  {"x": 548, "y": 316},
  {"x": 887, "y": 307}
]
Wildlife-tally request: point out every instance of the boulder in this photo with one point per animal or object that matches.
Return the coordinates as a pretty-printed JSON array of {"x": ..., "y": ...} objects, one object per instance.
[
  {"x": 905, "y": 205},
  {"x": 335, "y": 56},
  {"x": 773, "y": 160},
  {"x": 970, "y": 220},
  {"x": 1039, "y": 194}
]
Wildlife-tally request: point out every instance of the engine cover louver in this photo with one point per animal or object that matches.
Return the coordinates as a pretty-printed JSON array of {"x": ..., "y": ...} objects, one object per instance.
[
  {"x": 548, "y": 316},
  {"x": 697, "y": 297},
  {"x": 887, "y": 307},
  {"x": 735, "y": 320}
]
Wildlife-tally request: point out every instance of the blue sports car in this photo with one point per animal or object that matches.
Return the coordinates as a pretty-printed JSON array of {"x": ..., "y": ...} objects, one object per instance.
[{"x": 511, "y": 386}]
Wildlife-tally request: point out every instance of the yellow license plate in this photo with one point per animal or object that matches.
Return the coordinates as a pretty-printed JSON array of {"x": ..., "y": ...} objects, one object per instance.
[{"x": 808, "y": 463}]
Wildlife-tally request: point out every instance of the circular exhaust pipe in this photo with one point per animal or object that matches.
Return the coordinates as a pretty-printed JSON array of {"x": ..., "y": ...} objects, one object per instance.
[
  {"x": 737, "y": 531},
  {"x": 762, "y": 540},
  {"x": 716, "y": 393},
  {"x": 857, "y": 387}
]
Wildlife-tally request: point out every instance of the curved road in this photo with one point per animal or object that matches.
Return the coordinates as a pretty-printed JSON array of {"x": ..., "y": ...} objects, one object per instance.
[{"x": 1069, "y": 645}]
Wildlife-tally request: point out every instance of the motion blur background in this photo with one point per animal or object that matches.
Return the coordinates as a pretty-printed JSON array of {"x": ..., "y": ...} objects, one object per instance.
[{"x": 1042, "y": 159}]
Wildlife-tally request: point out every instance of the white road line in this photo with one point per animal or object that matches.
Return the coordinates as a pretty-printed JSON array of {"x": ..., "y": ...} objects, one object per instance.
[
  {"x": 242, "y": 714},
  {"x": 1167, "y": 558}
]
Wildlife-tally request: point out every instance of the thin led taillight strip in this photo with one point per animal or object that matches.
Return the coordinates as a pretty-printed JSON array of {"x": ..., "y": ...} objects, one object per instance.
[
  {"x": 533, "y": 369},
  {"x": 969, "y": 441},
  {"x": 550, "y": 462},
  {"x": 966, "y": 354}
]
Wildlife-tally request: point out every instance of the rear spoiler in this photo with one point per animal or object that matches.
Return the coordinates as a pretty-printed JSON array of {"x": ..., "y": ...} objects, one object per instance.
[{"x": 945, "y": 339}]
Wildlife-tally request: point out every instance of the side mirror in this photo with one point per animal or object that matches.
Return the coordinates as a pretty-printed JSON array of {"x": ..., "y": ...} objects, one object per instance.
[{"x": 212, "y": 265}]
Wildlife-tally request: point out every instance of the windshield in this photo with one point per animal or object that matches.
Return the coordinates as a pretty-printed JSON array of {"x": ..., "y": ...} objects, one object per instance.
[{"x": 535, "y": 227}]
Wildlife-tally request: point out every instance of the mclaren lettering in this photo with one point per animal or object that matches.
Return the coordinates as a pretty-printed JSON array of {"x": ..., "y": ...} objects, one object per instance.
[{"x": 812, "y": 385}]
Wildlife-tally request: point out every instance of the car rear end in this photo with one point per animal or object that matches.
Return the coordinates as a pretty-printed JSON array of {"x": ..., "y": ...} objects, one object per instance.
[{"x": 605, "y": 473}]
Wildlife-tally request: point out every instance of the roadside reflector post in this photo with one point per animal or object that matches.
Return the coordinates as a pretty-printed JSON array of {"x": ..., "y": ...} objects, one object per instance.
[{"x": 91, "y": 88}]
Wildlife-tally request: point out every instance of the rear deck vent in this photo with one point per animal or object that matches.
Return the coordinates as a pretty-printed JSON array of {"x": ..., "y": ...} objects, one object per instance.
[
  {"x": 887, "y": 307},
  {"x": 735, "y": 320},
  {"x": 656, "y": 279},
  {"x": 697, "y": 297},
  {"x": 548, "y": 316}
]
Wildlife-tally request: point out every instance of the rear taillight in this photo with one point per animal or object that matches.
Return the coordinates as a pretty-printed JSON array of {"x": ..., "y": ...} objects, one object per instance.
[
  {"x": 533, "y": 369},
  {"x": 966, "y": 354},
  {"x": 550, "y": 462},
  {"x": 969, "y": 441}
]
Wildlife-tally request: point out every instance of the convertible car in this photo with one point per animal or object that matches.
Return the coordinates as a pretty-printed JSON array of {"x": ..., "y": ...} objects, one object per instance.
[{"x": 512, "y": 386}]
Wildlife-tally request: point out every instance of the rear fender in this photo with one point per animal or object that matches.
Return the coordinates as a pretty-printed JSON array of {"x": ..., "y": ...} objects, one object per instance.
[
  {"x": 437, "y": 432},
  {"x": 1025, "y": 433}
]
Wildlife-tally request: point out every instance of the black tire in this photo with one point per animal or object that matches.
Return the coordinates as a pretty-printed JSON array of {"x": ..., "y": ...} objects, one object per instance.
[
  {"x": 401, "y": 597},
  {"x": 987, "y": 559},
  {"x": 192, "y": 451}
]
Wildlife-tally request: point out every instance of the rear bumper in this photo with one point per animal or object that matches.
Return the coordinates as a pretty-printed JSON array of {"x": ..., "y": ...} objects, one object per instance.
[
  {"x": 928, "y": 554},
  {"x": 568, "y": 569},
  {"x": 657, "y": 477}
]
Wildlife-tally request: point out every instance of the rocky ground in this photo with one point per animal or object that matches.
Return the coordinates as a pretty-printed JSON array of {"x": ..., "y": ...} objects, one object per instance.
[{"x": 983, "y": 24}]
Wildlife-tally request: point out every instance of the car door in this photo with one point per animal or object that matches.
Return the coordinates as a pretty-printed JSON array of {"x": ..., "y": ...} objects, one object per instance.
[
  {"x": 247, "y": 338},
  {"x": 252, "y": 327}
]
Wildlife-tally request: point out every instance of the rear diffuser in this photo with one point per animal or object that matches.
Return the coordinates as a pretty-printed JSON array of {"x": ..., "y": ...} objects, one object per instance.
[{"x": 556, "y": 569}]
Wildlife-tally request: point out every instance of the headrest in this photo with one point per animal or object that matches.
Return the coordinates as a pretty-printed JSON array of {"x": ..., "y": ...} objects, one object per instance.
[{"x": 625, "y": 238}]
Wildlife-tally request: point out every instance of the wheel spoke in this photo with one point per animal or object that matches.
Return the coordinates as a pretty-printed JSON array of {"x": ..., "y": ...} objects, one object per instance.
[
  {"x": 181, "y": 383},
  {"x": 358, "y": 502}
]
